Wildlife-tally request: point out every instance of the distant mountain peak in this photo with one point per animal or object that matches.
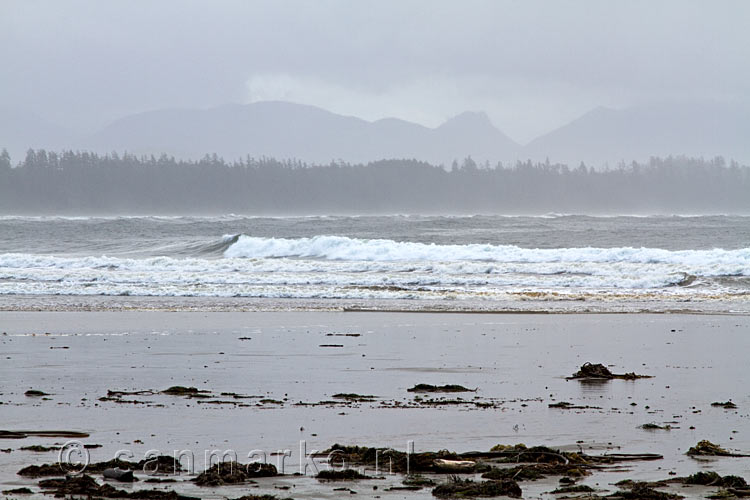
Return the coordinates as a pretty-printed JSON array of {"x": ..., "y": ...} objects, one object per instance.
[
  {"x": 288, "y": 130},
  {"x": 469, "y": 119}
]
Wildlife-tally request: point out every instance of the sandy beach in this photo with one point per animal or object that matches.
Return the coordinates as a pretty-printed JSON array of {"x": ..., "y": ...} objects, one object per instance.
[{"x": 290, "y": 365}]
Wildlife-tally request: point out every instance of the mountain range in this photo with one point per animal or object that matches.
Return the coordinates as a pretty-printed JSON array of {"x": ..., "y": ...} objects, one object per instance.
[{"x": 286, "y": 130}]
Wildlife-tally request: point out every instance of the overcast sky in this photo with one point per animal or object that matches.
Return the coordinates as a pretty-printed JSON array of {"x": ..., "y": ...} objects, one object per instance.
[{"x": 532, "y": 66}]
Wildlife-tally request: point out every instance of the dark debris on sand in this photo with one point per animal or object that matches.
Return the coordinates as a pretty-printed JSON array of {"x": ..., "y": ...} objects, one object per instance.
[
  {"x": 392, "y": 460},
  {"x": 456, "y": 487},
  {"x": 358, "y": 398},
  {"x": 711, "y": 478},
  {"x": 519, "y": 453},
  {"x": 87, "y": 486},
  {"x": 643, "y": 491},
  {"x": 707, "y": 448},
  {"x": 439, "y": 388},
  {"x": 340, "y": 475},
  {"x": 35, "y": 393},
  {"x": 532, "y": 472},
  {"x": 162, "y": 464},
  {"x": 578, "y": 488},
  {"x": 178, "y": 390},
  {"x": 656, "y": 427},
  {"x": 18, "y": 491},
  {"x": 601, "y": 372},
  {"x": 728, "y": 405},
  {"x": 234, "y": 473},
  {"x": 566, "y": 405},
  {"x": 261, "y": 497},
  {"x": 418, "y": 480}
]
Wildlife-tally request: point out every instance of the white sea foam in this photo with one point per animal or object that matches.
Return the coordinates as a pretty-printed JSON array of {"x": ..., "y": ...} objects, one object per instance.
[
  {"x": 343, "y": 248},
  {"x": 340, "y": 267}
]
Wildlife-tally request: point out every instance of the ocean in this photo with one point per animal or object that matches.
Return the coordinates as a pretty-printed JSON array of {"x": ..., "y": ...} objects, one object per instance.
[{"x": 416, "y": 262}]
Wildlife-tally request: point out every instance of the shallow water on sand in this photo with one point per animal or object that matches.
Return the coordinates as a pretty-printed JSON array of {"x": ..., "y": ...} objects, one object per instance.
[{"x": 518, "y": 362}]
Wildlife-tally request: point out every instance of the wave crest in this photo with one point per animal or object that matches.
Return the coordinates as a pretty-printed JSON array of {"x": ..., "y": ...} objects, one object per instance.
[{"x": 354, "y": 249}]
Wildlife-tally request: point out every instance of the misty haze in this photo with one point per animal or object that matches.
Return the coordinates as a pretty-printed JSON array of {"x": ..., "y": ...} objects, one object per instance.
[{"x": 403, "y": 249}]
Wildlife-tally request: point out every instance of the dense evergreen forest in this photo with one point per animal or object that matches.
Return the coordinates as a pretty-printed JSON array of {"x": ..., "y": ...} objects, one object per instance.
[{"x": 86, "y": 183}]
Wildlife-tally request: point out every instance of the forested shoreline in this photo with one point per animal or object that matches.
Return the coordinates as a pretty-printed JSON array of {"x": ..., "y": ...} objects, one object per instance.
[{"x": 87, "y": 183}]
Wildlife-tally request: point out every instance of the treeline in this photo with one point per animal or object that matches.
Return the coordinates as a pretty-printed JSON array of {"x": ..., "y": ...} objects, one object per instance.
[{"x": 86, "y": 183}]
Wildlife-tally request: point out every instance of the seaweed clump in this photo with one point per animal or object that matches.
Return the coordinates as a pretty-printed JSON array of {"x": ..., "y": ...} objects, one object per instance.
[
  {"x": 160, "y": 464},
  {"x": 418, "y": 480},
  {"x": 18, "y": 491},
  {"x": 340, "y": 475},
  {"x": 234, "y": 473},
  {"x": 456, "y": 487},
  {"x": 87, "y": 486},
  {"x": 711, "y": 478},
  {"x": 532, "y": 472},
  {"x": 178, "y": 390},
  {"x": 707, "y": 448},
  {"x": 601, "y": 372},
  {"x": 439, "y": 388},
  {"x": 390, "y": 459},
  {"x": 577, "y": 488},
  {"x": 643, "y": 491},
  {"x": 728, "y": 405},
  {"x": 536, "y": 454},
  {"x": 260, "y": 497}
]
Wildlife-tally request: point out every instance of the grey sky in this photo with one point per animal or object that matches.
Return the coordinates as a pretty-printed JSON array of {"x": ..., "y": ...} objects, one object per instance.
[{"x": 532, "y": 66}]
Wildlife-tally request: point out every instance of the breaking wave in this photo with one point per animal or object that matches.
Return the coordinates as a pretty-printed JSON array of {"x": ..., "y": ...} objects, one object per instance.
[{"x": 341, "y": 248}]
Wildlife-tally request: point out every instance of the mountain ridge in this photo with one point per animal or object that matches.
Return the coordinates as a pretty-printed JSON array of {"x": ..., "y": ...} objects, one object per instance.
[{"x": 312, "y": 134}]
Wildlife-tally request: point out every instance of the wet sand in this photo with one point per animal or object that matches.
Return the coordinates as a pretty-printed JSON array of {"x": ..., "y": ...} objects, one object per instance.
[{"x": 517, "y": 362}]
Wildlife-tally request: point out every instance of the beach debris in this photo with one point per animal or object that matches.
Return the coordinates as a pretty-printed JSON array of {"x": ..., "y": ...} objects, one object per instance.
[
  {"x": 577, "y": 488},
  {"x": 455, "y": 465},
  {"x": 730, "y": 493},
  {"x": 598, "y": 371},
  {"x": 340, "y": 475},
  {"x": 390, "y": 459},
  {"x": 565, "y": 405},
  {"x": 726, "y": 404},
  {"x": 418, "y": 480},
  {"x": 33, "y": 393},
  {"x": 178, "y": 390},
  {"x": 532, "y": 472},
  {"x": 37, "y": 448},
  {"x": 520, "y": 453},
  {"x": 84, "y": 485},
  {"x": 237, "y": 396},
  {"x": 711, "y": 478},
  {"x": 655, "y": 427},
  {"x": 359, "y": 398},
  {"x": 439, "y": 388},
  {"x": 18, "y": 491},
  {"x": 118, "y": 394},
  {"x": 331, "y": 345},
  {"x": 642, "y": 491},
  {"x": 456, "y": 487},
  {"x": 234, "y": 473},
  {"x": 122, "y": 475},
  {"x": 161, "y": 464},
  {"x": 536, "y": 454},
  {"x": 707, "y": 448},
  {"x": 261, "y": 497},
  {"x": 25, "y": 434}
]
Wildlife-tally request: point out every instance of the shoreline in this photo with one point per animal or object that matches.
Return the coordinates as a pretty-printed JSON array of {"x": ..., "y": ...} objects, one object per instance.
[{"x": 99, "y": 303}]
